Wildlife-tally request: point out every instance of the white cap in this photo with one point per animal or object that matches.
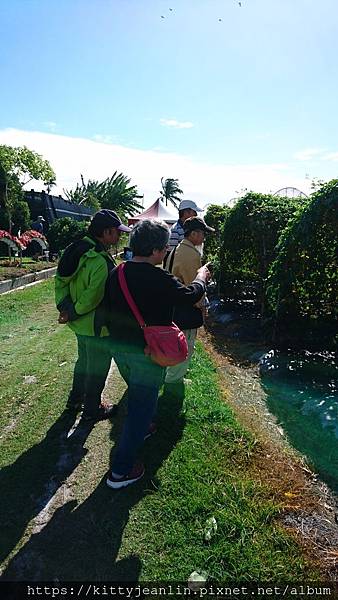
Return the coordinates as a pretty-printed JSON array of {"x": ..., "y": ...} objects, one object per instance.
[{"x": 189, "y": 204}]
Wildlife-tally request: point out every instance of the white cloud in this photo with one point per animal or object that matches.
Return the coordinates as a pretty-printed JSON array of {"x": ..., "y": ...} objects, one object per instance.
[
  {"x": 105, "y": 139},
  {"x": 330, "y": 156},
  {"x": 51, "y": 125},
  {"x": 176, "y": 124},
  {"x": 308, "y": 154},
  {"x": 316, "y": 154},
  {"x": 202, "y": 181}
]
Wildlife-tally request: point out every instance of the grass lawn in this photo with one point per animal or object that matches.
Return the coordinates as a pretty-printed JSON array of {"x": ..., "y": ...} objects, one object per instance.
[
  {"x": 61, "y": 521},
  {"x": 12, "y": 269}
]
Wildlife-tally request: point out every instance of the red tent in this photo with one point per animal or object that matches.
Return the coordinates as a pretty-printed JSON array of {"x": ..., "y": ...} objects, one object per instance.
[{"x": 156, "y": 211}]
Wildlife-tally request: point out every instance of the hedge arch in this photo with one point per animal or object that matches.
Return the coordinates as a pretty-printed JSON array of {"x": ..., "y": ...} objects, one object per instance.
[
  {"x": 13, "y": 244},
  {"x": 10, "y": 244},
  {"x": 42, "y": 243}
]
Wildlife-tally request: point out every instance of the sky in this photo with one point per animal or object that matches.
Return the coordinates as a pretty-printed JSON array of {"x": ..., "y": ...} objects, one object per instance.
[{"x": 222, "y": 95}]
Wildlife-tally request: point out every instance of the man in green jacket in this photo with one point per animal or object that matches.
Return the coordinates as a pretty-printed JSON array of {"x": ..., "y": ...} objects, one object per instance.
[{"x": 79, "y": 289}]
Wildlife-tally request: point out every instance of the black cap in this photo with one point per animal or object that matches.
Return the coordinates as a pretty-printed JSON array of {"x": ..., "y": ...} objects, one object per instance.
[
  {"x": 109, "y": 218},
  {"x": 196, "y": 224}
]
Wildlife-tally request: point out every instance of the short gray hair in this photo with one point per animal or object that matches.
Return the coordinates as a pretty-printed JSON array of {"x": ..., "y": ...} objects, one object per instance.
[{"x": 148, "y": 235}]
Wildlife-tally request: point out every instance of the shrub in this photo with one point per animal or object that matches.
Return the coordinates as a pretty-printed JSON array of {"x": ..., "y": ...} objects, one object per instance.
[
  {"x": 250, "y": 234},
  {"x": 63, "y": 232},
  {"x": 215, "y": 217},
  {"x": 303, "y": 281}
]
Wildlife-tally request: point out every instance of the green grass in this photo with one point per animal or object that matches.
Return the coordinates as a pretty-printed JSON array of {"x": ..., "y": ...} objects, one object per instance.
[
  {"x": 32, "y": 344},
  {"x": 207, "y": 475},
  {"x": 197, "y": 467},
  {"x": 27, "y": 306}
]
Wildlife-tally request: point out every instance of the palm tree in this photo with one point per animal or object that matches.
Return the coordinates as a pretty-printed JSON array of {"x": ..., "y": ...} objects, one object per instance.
[
  {"x": 170, "y": 191},
  {"x": 115, "y": 193}
]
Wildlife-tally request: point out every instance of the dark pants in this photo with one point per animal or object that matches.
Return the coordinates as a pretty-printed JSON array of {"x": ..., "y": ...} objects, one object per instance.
[
  {"x": 90, "y": 373},
  {"x": 144, "y": 378}
]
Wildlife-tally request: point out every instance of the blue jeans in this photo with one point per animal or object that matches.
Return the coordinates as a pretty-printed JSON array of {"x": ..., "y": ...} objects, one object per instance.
[
  {"x": 90, "y": 373},
  {"x": 144, "y": 378}
]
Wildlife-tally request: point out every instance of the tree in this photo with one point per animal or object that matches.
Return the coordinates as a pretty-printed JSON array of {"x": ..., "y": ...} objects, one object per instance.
[
  {"x": 20, "y": 218},
  {"x": 26, "y": 165},
  {"x": 3, "y": 187},
  {"x": 87, "y": 194},
  {"x": 114, "y": 193},
  {"x": 14, "y": 211},
  {"x": 19, "y": 166},
  {"x": 170, "y": 191}
]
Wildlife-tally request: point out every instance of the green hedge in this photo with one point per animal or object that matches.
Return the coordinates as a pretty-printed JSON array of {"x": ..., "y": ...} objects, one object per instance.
[{"x": 303, "y": 279}]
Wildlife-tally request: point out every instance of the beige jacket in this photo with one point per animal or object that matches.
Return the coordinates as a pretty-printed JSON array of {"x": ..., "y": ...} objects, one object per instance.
[{"x": 187, "y": 261}]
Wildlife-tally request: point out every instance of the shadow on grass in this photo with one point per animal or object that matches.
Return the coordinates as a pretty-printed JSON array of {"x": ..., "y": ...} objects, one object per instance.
[
  {"x": 32, "y": 480},
  {"x": 82, "y": 543},
  {"x": 236, "y": 342}
]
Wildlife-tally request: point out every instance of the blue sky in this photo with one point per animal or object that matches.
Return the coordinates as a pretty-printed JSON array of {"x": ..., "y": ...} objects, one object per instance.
[{"x": 248, "y": 101}]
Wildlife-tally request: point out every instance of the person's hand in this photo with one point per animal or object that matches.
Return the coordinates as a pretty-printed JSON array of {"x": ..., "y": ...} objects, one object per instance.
[
  {"x": 203, "y": 273},
  {"x": 63, "y": 317},
  {"x": 209, "y": 265}
]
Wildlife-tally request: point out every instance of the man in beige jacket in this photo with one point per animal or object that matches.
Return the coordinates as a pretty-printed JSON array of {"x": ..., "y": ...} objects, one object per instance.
[{"x": 184, "y": 262}]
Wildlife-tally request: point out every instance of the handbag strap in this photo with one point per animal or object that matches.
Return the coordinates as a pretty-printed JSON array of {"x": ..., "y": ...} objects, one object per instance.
[{"x": 128, "y": 296}]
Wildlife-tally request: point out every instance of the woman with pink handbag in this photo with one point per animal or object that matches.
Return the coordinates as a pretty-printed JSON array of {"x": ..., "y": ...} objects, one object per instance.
[{"x": 140, "y": 300}]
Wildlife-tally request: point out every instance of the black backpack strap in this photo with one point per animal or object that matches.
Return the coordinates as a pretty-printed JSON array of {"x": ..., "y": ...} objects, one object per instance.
[
  {"x": 171, "y": 262},
  {"x": 165, "y": 260}
]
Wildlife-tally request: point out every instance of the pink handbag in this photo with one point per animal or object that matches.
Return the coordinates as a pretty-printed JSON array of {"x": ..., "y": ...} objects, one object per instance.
[{"x": 165, "y": 344}]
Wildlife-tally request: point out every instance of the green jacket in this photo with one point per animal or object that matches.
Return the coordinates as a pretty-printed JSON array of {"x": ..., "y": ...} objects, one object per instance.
[{"x": 80, "y": 283}]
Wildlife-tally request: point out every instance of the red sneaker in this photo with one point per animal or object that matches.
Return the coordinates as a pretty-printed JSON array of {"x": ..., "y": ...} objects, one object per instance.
[
  {"x": 151, "y": 431},
  {"x": 135, "y": 474}
]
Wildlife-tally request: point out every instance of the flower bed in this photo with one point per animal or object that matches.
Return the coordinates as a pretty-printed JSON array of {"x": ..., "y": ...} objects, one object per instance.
[
  {"x": 11, "y": 241},
  {"x": 26, "y": 238},
  {"x": 13, "y": 269},
  {"x": 18, "y": 266}
]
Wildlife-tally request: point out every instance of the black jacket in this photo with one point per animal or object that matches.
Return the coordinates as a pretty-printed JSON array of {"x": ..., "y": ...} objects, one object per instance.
[{"x": 155, "y": 293}]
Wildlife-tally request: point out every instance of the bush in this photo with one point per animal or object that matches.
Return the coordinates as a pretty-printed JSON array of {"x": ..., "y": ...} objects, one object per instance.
[
  {"x": 63, "y": 232},
  {"x": 215, "y": 217},
  {"x": 303, "y": 281},
  {"x": 250, "y": 234}
]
